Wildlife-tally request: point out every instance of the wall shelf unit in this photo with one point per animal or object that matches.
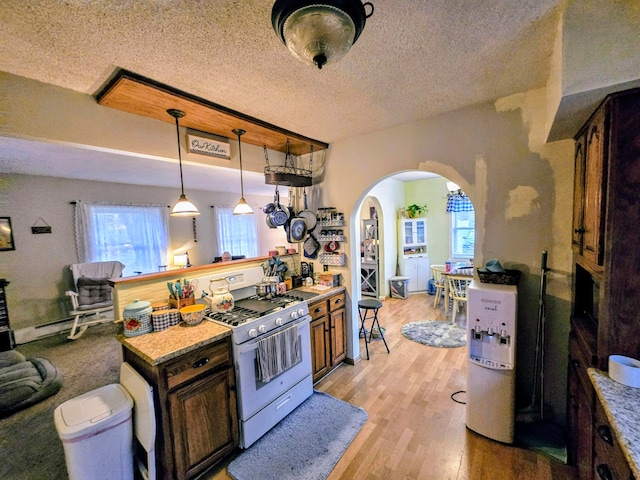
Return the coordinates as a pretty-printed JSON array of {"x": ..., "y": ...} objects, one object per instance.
[{"x": 369, "y": 275}]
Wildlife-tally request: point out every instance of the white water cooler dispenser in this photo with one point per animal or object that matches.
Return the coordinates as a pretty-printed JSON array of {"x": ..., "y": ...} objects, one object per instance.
[{"x": 491, "y": 375}]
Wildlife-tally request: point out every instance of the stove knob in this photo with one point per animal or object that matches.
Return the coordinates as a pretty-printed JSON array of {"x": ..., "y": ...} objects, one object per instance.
[
  {"x": 294, "y": 315},
  {"x": 301, "y": 312},
  {"x": 253, "y": 333},
  {"x": 279, "y": 321},
  {"x": 262, "y": 328}
]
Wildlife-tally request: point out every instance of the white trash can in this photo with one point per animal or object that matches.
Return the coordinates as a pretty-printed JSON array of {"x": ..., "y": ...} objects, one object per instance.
[{"x": 97, "y": 434}]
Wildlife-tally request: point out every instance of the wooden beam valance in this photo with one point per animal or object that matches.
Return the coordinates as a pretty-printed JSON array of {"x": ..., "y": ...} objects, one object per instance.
[{"x": 133, "y": 93}]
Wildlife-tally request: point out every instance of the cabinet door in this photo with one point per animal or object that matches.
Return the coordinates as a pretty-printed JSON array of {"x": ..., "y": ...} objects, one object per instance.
[
  {"x": 320, "y": 347},
  {"x": 594, "y": 189},
  {"x": 408, "y": 235},
  {"x": 420, "y": 231},
  {"x": 423, "y": 273},
  {"x": 411, "y": 270},
  {"x": 578, "y": 196},
  {"x": 338, "y": 334},
  {"x": 204, "y": 423}
]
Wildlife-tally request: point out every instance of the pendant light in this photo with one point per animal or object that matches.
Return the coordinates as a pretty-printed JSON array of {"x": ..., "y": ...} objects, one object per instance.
[
  {"x": 318, "y": 33},
  {"x": 183, "y": 208},
  {"x": 242, "y": 208}
]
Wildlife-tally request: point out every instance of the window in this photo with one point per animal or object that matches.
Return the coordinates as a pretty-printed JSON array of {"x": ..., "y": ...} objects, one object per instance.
[
  {"x": 136, "y": 235},
  {"x": 463, "y": 223},
  {"x": 462, "y": 234},
  {"x": 237, "y": 234}
]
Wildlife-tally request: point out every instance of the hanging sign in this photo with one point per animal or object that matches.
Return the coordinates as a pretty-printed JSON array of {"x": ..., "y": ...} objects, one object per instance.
[{"x": 208, "y": 146}]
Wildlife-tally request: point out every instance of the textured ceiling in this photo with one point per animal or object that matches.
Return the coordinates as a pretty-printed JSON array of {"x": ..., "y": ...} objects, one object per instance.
[{"x": 413, "y": 60}]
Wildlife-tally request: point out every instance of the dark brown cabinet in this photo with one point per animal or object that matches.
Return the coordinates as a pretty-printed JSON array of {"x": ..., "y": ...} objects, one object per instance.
[
  {"x": 195, "y": 406},
  {"x": 609, "y": 462},
  {"x": 328, "y": 334},
  {"x": 606, "y": 284}
]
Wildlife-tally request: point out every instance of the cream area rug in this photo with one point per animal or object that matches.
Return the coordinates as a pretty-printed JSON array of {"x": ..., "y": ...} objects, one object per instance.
[{"x": 435, "y": 333}]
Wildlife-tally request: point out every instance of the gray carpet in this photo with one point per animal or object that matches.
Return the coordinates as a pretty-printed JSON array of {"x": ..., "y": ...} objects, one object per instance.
[
  {"x": 307, "y": 444},
  {"x": 436, "y": 333},
  {"x": 29, "y": 444}
]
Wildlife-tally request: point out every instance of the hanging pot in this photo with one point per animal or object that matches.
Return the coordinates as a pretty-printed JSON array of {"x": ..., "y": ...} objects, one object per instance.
[
  {"x": 279, "y": 215},
  {"x": 269, "y": 223},
  {"x": 309, "y": 216},
  {"x": 296, "y": 230},
  {"x": 268, "y": 208}
]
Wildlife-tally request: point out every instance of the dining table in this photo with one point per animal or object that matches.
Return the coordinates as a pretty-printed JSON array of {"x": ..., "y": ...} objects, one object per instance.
[{"x": 466, "y": 271}]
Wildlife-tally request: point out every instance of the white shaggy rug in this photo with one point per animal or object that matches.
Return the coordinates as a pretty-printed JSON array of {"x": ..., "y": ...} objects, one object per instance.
[{"x": 435, "y": 333}]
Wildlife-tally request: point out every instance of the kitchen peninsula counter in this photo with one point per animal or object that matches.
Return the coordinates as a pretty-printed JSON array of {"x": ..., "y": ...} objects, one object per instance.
[
  {"x": 158, "y": 347},
  {"x": 321, "y": 292},
  {"x": 620, "y": 404}
]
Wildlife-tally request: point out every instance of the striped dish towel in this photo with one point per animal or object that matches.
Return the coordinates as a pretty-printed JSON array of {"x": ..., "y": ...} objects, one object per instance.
[{"x": 277, "y": 353}]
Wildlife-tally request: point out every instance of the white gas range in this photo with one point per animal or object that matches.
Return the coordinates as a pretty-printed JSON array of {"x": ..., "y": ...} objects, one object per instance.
[{"x": 260, "y": 325}]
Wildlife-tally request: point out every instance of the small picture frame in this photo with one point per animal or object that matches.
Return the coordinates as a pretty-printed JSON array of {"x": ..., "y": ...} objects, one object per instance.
[{"x": 6, "y": 234}]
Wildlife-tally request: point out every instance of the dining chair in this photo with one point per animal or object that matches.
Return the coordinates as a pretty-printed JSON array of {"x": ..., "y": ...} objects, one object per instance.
[
  {"x": 458, "y": 285},
  {"x": 438, "y": 282}
]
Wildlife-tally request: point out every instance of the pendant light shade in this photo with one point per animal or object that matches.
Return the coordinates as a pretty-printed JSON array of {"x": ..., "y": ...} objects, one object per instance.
[
  {"x": 318, "y": 33},
  {"x": 242, "y": 208},
  {"x": 183, "y": 208}
]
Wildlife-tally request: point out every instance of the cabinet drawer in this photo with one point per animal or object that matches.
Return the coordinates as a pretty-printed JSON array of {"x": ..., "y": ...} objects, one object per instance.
[
  {"x": 578, "y": 361},
  {"x": 609, "y": 459},
  {"x": 318, "y": 309},
  {"x": 336, "y": 302},
  {"x": 196, "y": 363}
]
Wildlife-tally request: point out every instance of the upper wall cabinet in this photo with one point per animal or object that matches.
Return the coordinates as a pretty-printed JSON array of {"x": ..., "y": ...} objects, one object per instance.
[
  {"x": 413, "y": 235},
  {"x": 607, "y": 226},
  {"x": 591, "y": 162}
]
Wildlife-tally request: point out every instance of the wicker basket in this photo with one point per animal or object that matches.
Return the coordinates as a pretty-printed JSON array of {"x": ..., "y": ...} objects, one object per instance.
[{"x": 508, "y": 277}]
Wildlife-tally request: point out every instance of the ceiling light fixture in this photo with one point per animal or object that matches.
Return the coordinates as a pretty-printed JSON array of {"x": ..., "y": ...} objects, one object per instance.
[
  {"x": 242, "y": 208},
  {"x": 318, "y": 33},
  {"x": 183, "y": 208}
]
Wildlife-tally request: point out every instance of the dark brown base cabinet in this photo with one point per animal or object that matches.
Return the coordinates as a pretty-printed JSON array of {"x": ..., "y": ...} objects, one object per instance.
[
  {"x": 195, "y": 401},
  {"x": 606, "y": 290},
  {"x": 328, "y": 334}
]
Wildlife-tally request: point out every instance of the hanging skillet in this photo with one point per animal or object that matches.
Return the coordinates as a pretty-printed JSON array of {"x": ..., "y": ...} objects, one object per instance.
[
  {"x": 296, "y": 230},
  {"x": 308, "y": 215},
  {"x": 279, "y": 215}
]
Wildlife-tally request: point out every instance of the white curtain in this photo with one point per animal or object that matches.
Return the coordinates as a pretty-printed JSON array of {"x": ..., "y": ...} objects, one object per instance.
[
  {"x": 237, "y": 234},
  {"x": 136, "y": 235}
]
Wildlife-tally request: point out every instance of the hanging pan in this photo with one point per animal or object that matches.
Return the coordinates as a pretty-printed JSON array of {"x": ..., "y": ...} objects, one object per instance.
[
  {"x": 308, "y": 215},
  {"x": 296, "y": 230},
  {"x": 280, "y": 215}
]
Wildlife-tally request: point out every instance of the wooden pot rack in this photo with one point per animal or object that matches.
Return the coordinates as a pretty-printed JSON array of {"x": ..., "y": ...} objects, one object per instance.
[{"x": 136, "y": 94}]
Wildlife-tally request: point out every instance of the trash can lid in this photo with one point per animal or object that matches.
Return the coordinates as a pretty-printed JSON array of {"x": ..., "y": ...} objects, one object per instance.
[
  {"x": 399, "y": 278},
  {"x": 92, "y": 410}
]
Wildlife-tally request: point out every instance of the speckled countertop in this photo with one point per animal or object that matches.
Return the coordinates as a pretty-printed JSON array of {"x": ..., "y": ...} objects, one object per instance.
[
  {"x": 621, "y": 405},
  {"x": 158, "y": 347}
]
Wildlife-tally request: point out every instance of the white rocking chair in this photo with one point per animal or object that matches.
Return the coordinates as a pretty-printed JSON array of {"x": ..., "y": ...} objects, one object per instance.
[{"x": 92, "y": 295}]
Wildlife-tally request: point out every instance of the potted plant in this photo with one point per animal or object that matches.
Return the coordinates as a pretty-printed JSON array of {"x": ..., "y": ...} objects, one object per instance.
[{"x": 416, "y": 210}]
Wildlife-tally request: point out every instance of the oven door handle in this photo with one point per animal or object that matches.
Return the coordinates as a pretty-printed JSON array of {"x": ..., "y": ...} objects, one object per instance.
[{"x": 253, "y": 344}]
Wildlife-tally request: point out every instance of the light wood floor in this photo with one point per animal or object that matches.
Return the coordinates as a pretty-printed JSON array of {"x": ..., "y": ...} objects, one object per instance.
[{"x": 415, "y": 429}]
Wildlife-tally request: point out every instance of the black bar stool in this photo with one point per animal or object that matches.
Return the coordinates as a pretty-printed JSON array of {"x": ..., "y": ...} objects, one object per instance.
[{"x": 364, "y": 307}]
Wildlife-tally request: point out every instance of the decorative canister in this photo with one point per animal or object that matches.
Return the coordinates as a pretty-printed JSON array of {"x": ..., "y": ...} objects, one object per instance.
[
  {"x": 160, "y": 320},
  {"x": 174, "y": 316},
  {"x": 221, "y": 299},
  {"x": 137, "y": 318},
  {"x": 159, "y": 306}
]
